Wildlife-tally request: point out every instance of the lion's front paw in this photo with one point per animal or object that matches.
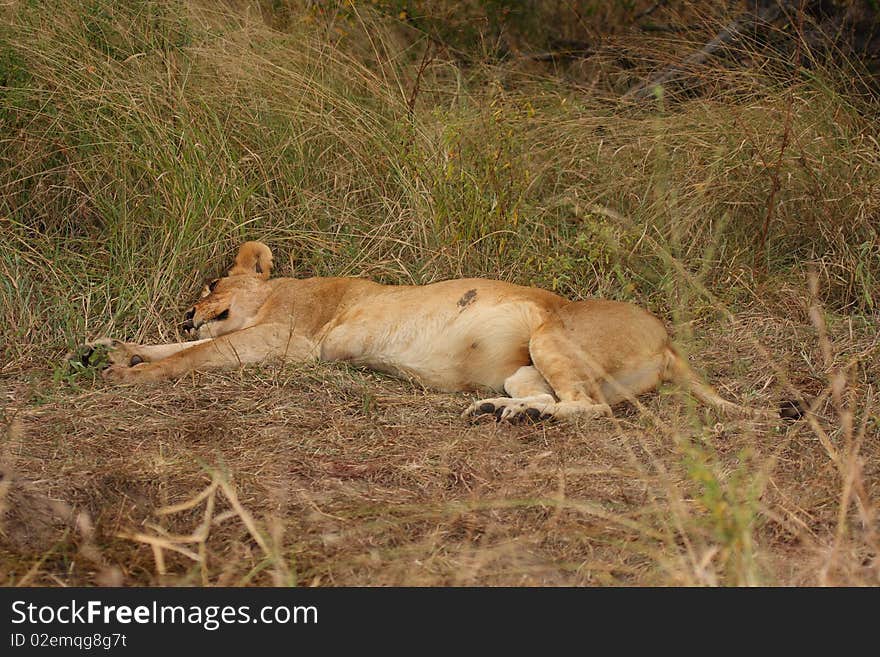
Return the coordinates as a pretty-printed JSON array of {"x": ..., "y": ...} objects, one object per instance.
[
  {"x": 116, "y": 374},
  {"x": 121, "y": 373},
  {"x": 103, "y": 353},
  {"x": 526, "y": 409}
]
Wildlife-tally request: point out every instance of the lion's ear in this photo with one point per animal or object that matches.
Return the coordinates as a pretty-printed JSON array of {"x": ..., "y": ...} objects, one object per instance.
[{"x": 253, "y": 258}]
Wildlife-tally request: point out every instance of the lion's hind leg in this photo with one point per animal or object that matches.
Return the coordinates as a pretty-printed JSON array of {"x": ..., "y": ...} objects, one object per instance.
[{"x": 596, "y": 354}]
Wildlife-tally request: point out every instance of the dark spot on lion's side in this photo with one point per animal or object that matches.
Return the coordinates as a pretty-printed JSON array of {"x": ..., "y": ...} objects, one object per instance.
[
  {"x": 135, "y": 360},
  {"x": 475, "y": 345},
  {"x": 467, "y": 299}
]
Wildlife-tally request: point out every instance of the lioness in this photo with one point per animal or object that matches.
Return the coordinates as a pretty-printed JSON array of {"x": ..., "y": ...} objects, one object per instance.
[{"x": 555, "y": 358}]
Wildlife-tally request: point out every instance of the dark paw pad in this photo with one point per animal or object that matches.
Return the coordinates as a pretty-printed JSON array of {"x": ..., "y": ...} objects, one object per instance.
[
  {"x": 84, "y": 354},
  {"x": 528, "y": 416},
  {"x": 485, "y": 409},
  {"x": 89, "y": 356}
]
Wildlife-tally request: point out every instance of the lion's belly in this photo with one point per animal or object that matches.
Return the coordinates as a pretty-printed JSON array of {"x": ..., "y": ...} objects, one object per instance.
[{"x": 458, "y": 344}]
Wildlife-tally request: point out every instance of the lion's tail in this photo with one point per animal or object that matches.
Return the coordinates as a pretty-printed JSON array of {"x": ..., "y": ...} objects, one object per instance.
[{"x": 679, "y": 371}]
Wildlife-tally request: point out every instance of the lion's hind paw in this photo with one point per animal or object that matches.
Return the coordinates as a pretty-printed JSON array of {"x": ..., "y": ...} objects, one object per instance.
[{"x": 508, "y": 409}]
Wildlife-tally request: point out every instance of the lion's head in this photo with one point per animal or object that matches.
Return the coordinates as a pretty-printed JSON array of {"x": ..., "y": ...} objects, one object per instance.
[{"x": 230, "y": 303}]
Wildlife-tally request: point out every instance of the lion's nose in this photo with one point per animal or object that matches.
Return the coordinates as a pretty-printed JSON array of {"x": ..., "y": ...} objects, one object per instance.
[{"x": 188, "y": 324}]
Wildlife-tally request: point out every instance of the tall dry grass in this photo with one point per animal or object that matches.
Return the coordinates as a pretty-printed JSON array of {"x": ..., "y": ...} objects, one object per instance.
[{"x": 161, "y": 134}]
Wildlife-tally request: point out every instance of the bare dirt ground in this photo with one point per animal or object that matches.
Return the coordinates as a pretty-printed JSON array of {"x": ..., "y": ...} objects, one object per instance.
[{"x": 323, "y": 475}]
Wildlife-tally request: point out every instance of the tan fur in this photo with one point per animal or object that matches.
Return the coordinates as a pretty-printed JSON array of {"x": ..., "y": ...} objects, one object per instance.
[{"x": 553, "y": 357}]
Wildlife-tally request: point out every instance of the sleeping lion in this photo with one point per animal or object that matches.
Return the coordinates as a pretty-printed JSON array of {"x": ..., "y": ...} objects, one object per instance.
[{"x": 540, "y": 355}]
